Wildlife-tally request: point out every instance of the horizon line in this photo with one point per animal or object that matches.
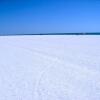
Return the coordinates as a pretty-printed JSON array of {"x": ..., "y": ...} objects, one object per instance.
[{"x": 94, "y": 33}]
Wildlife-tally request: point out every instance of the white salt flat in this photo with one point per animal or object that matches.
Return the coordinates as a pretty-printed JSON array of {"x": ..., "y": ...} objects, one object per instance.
[{"x": 50, "y": 67}]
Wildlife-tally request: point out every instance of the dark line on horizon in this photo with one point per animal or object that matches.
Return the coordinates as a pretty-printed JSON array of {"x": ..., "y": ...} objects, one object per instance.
[{"x": 51, "y": 34}]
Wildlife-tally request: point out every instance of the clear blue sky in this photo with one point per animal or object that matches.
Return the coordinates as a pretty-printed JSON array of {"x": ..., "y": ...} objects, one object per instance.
[{"x": 41, "y": 16}]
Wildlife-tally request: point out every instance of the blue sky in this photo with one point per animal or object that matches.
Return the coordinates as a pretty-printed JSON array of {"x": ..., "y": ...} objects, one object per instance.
[{"x": 42, "y": 16}]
